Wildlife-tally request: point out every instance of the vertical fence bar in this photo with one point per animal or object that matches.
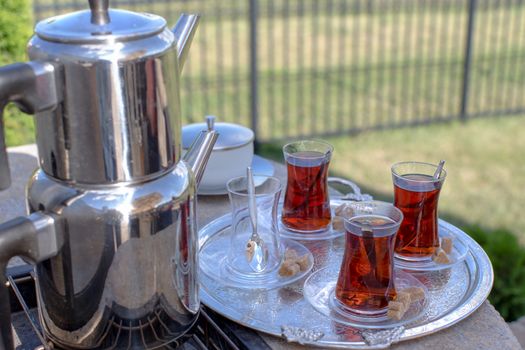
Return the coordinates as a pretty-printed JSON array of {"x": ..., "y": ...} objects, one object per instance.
[
  {"x": 468, "y": 60},
  {"x": 506, "y": 67},
  {"x": 406, "y": 82},
  {"x": 454, "y": 92},
  {"x": 341, "y": 69},
  {"x": 519, "y": 57},
  {"x": 314, "y": 69},
  {"x": 203, "y": 69},
  {"x": 368, "y": 90},
  {"x": 483, "y": 46},
  {"x": 286, "y": 63},
  {"x": 498, "y": 57},
  {"x": 419, "y": 61},
  {"x": 328, "y": 113},
  {"x": 438, "y": 75},
  {"x": 355, "y": 73},
  {"x": 274, "y": 118},
  {"x": 253, "y": 71},
  {"x": 219, "y": 37},
  {"x": 236, "y": 24},
  {"x": 301, "y": 81}
]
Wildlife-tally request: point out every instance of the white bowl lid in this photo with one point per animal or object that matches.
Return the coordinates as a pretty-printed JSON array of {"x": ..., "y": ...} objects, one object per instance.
[{"x": 230, "y": 135}]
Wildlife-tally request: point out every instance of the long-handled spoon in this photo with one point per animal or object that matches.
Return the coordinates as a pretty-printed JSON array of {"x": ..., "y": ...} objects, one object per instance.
[
  {"x": 437, "y": 173},
  {"x": 256, "y": 249}
]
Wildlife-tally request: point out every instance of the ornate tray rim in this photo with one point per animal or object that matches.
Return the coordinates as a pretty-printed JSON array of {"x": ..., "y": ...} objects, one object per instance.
[{"x": 476, "y": 295}]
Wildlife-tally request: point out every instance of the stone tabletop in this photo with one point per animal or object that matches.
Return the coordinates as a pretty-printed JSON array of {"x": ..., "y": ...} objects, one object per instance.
[{"x": 484, "y": 329}]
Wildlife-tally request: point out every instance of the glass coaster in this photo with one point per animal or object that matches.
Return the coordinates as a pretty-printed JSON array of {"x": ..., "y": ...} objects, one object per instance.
[
  {"x": 317, "y": 236},
  {"x": 459, "y": 252},
  {"x": 214, "y": 263},
  {"x": 329, "y": 233},
  {"x": 319, "y": 290}
]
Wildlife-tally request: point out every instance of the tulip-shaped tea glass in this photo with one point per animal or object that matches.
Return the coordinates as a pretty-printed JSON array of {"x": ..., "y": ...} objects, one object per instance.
[
  {"x": 416, "y": 193},
  {"x": 366, "y": 279},
  {"x": 306, "y": 207},
  {"x": 267, "y": 192}
]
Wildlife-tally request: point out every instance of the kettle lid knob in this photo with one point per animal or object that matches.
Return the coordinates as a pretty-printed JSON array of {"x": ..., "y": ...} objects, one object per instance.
[
  {"x": 99, "y": 11},
  {"x": 210, "y": 122}
]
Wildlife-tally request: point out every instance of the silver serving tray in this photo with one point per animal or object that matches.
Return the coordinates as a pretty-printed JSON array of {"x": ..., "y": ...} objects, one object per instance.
[{"x": 455, "y": 293}]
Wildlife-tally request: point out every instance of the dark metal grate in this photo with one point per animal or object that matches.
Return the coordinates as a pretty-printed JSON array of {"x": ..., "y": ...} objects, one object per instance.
[{"x": 211, "y": 331}]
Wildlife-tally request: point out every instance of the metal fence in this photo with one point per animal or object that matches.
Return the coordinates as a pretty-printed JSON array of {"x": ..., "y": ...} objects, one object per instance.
[{"x": 294, "y": 68}]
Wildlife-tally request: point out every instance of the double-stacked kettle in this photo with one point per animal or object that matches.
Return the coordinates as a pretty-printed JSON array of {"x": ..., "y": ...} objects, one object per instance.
[{"x": 112, "y": 223}]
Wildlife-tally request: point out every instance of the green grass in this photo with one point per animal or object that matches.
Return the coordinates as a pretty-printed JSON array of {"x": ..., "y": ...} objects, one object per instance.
[
  {"x": 484, "y": 162},
  {"x": 508, "y": 261},
  {"x": 342, "y": 70}
]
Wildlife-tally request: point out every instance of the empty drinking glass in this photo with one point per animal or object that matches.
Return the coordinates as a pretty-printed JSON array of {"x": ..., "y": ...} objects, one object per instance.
[{"x": 267, "y": 193}]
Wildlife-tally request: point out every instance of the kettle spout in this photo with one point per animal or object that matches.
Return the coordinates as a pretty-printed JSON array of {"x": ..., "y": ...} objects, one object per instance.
[
  {"x": 200, "y": 151},
  {"x": 184, "y": 31}
]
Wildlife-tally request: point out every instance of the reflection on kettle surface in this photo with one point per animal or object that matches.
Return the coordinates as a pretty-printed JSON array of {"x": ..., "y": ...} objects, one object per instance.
[{"x": 134, "y": 259}]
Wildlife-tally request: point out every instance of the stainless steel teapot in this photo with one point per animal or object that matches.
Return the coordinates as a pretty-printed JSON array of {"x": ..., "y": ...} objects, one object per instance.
[{"x": 112, "y": 224}]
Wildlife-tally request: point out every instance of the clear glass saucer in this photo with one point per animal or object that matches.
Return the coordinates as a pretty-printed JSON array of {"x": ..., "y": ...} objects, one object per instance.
[
  {"x": 329, "y": 233},
  {"x": 319, "y": 291},
  {"x": 459, "y": 252},
  {"x": 214, "y": 264}
]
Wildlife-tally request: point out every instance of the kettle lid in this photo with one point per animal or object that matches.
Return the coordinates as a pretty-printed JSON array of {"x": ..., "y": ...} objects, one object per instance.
[
  {"x": 230, "y": 135},
  {"x": 99, "y": 25}
]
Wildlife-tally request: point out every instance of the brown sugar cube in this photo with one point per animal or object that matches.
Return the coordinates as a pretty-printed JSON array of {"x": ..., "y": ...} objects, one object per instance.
[
  {"x": 289, "y": 268},
  {"x": 341, "y": 210},
  {"x": 338, "y": 223},
  {"x": 397, "y": 306},
  {"x": 396, "y": 310},
  {"x": 395, "y": 314},
  {"x": 416, "y": 293},
  {"x": 290, "y": 254},
  {"x": 404, "y": 298},
  {"x": 303, "y": 262},
  {"x": 250, "y": 250},
  {"x": 440, "y": 257},
  {"x": 446, "y": 244}
]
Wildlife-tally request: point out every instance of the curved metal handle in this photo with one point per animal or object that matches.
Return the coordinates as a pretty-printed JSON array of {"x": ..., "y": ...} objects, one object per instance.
[
  {"x": 32, "y": 87},
  {"x": 35, "y": 237},
  {"x": 356, "y": 195}
]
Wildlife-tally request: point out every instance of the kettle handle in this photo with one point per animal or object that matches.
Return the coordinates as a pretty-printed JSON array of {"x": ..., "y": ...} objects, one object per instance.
[
  {"x": 32, "y": 87},
  {"x": 35, "y": 237}
]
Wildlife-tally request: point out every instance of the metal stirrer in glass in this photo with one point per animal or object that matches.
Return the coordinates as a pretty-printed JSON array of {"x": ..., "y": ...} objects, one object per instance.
[{"x": 256, "y": 250}]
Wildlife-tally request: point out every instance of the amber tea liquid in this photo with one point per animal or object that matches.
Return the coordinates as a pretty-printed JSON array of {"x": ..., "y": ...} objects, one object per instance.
[
  {"x": 306, "y": 206},
  {"x": 366, "y": 282},
  {"x": 416, "y": 195}
]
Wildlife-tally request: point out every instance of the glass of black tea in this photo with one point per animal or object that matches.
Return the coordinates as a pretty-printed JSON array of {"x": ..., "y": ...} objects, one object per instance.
[
  {"x": 416, "y": 194},
  {"x": 306, "y": 206},
  {"x": 366, "y": 278}
]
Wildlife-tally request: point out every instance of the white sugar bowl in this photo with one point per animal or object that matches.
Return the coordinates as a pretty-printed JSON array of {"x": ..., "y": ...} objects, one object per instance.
[{"x": 231, "y": 155}]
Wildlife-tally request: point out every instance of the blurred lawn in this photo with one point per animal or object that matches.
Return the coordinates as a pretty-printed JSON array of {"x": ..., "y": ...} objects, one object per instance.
[
  {"x": 484, "y": 161},
  {"x": 384, "y": 81}
]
